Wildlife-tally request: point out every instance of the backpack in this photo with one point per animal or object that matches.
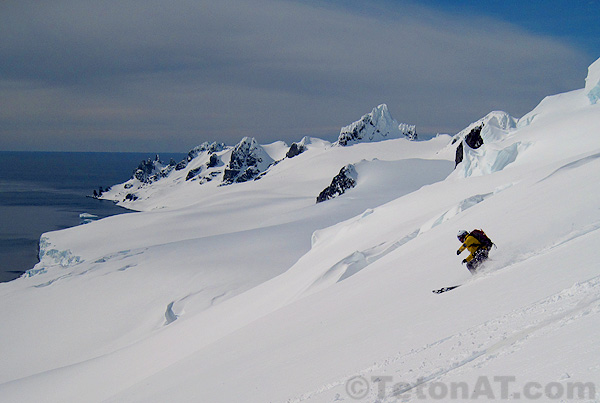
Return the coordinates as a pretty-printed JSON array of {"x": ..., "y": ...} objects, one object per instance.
[{"x": 482, "y": 238}]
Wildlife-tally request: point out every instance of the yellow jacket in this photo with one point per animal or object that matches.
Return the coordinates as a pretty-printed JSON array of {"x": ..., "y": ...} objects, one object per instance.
[{"x": 472, "y": 244}]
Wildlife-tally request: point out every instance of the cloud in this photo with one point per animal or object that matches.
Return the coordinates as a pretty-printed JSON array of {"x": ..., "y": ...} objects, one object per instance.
[{"x": 158, "y": 75}]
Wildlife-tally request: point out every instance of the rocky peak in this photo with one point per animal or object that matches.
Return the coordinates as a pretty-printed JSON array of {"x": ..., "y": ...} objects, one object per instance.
[
  {"x": 295, "y": 149},
  {"x": 148, "y": 169},
  {"x": 248, "y": 159},
  {"x": 207, "y": 147},
  {"x": 376, "y": 126}
]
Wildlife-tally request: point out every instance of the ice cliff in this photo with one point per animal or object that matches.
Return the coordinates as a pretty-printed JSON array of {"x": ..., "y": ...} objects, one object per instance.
[
  {"x": 480, "y": 150},
  {"x": 592, "y": 82}
]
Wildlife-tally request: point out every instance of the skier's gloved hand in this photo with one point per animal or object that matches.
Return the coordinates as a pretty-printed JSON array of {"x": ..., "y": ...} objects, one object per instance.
[
  {"x": 464, "y": 261},
  {"x": 458, "y": 252}
]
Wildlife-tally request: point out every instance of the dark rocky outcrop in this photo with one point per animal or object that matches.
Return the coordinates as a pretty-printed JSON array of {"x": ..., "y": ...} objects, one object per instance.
[
  {"x": 295, "y": 149},
  {"x": 98, "y": 193},
  {"x": 193, "y": 173},
  {"x": 459, "y": 155},
  {"x": 473, "y": 139},
  {"x": 240, "y": 175},
  {"x": 196, "y": 151},
  {"x": 248, "y": 160},
  {"x": 213, "y": 161},
  {"x": 147, "y": 169},
  {"x": 354, "y": 133},
  {"x": 410, "y": 131},
  {"x": 344, "y": 180},
  {"x": 181, "y": 165}
]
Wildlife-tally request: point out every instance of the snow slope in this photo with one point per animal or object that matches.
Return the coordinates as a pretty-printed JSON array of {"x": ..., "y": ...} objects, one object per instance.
[{"x": 253, "y": 292}]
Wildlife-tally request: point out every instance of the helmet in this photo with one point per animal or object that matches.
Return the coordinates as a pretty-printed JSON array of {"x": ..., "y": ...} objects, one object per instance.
[{"x": 462, "y": 234}]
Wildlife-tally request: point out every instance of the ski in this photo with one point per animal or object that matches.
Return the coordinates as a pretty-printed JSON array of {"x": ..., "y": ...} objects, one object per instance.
[{"x": 441, "y": 290}]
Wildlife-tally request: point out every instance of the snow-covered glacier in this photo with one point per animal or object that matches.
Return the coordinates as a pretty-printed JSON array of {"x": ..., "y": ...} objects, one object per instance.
[{"x": 253, "y": 292}]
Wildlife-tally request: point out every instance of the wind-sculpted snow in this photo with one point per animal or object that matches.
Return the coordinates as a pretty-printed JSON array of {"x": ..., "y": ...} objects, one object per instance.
[
  {"x": 575, "y": 164},
  {"x": 494, "y": 126},
  {"x": 170, "y": 316},
  {"x": 355, "y": 262},
  {"x": 454, "y": 211},
  {"x": 488, "y": 159},
  {"x": 557, "y": 108}
]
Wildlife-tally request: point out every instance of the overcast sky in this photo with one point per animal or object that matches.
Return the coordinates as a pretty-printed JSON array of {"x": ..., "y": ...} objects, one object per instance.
[{"x": 158, "y": 76}]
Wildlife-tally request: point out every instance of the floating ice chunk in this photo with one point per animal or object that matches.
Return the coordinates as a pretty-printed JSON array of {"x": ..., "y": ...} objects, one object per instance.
[{"x": 87, "y": 218}]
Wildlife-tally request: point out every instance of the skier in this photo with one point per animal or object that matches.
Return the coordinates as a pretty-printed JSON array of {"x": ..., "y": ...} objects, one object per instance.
[{"x": 478, "y": 244}]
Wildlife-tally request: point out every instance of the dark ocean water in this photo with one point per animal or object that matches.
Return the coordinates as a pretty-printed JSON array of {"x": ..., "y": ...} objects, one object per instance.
[{"x": 47, "y": 191}]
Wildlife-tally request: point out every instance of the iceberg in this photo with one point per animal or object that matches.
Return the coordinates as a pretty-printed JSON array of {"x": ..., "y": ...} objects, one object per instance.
[{"x": 87, "y": 218}]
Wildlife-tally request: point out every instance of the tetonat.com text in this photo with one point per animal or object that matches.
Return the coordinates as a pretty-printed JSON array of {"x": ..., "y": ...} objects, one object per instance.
[{"x": 484, "y": 388}]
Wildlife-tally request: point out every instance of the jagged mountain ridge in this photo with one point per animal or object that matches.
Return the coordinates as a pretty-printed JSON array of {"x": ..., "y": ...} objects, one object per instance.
[
  {"x": 247, "y": 160},
  {"x": 223, "y": 165}
]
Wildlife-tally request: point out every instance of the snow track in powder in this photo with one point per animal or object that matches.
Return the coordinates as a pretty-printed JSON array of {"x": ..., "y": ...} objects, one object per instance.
[{"x": 475, "y": 347}]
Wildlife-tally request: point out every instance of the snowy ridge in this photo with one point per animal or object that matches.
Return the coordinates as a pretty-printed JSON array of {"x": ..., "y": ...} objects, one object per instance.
[
  {"x": 253, "y": 292},
  {"x": 153, "y": 182},
  {"x": 496, "y": 126}
]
